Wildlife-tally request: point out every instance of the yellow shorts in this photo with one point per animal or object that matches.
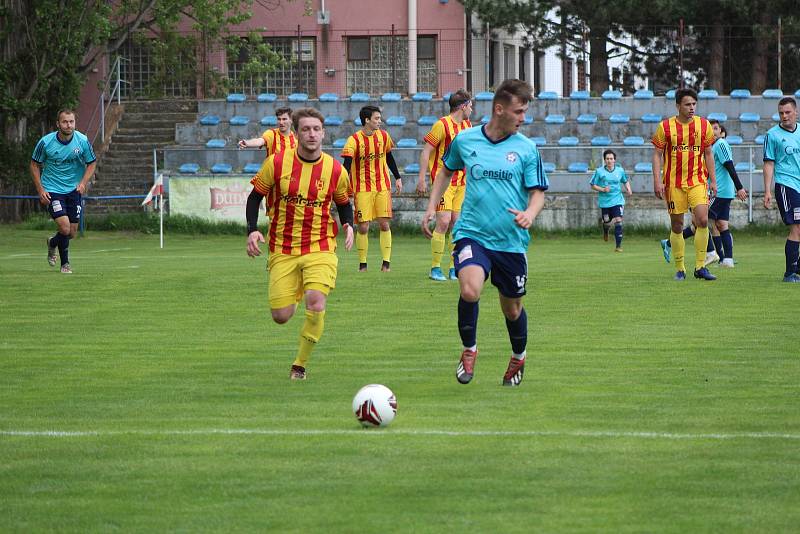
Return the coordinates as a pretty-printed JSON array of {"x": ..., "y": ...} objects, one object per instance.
[
  {"x": 452, "y": 199},
  {"x": 371, "y": 205},
  {"x": 290, "y": 276},
  {"x": 680, "y": 200}
]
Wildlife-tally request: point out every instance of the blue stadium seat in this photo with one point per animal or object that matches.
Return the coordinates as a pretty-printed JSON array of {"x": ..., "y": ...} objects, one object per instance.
[
  {"x": 776, "y": 117},
  {"x": 236, "y": 98},
  {"x": 633, "y": 140},
  {"x": 427, "y": 120},
  {"x": 619, "y": 118},
  {"x": 359, "y": 97},
  {"x": 391, "y": 97},
  {"x": 209, "y": 120},
  {"x": 540, "y": 141},
  {"x": 357, "y": 121},
  {"x": 643, "y": 166},
  {"x": 734, "y": 139},
  {"x": 651, "y": 117},
  {"x": 422, "y": 97},
  {"x": 740, "y": 93},
  {"x": 797, "y": 94},
  {"x": 328, "y": 97},
  {"x": 643, "y": 94},
  {"x": 549, "y": 166},
  {"x": 587, "y": 118},
  {"x": 670, "y": 95},
  {"x": 446, "y": 96},
  {"x": 297, "y": 97},
  {"x": 252, "y": 168},
  {"x": 339, "y": 143},
  {"x": 600, "y": 140},
  {"x": 215, "y": 143},
  {"x": 485, "y": 119},
  {"x": 221, "y": 168},
  {"x": 267, "y": 97},
  {"x": 568, "y": 140},
  {"x": 772, "y": 93},
  {"x": 707, "y": 94},
  {"x": 717, "y": 116},
  {"x": 412, "y": 168},
  {"x": 548, "y": 95},
  {"x": 749, "y": 116},
  {"x": 744, "y": 166},
  {"x": 485, "y": 95},
  {"x": 759, "y": 140},
  {"x": 407, "y": 142},
  {"x": 611, "y": 94},
  {"x": 578, "y": 166},
  {"x": 554, "y": 119},
  {"x": 528, "y": 119},
  {"x": 269, "y": 120},
  {"x": 579, "y": 95},
  {"x": 396, "y": 120},
  {"x": 239, "y": 120},
  {"x": 189, "y": 168},
  {"x": 333, "y": 120}
]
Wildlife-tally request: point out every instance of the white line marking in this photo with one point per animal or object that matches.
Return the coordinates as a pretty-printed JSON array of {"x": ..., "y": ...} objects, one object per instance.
[{"x": 362, "y": 432}]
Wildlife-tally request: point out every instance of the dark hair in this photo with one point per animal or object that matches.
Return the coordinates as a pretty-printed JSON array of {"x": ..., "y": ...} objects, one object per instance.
[
  {"x": 512, "y": 88},
  {"x": 608, "y": 151},
  {"x": 787, "y": 100},
  {"x": 303, "y": 113},
  {"x": 283, "y": 111},
  {"x": 458, "y": 99},
  {"x": 721, "y": 127},
  {"x": 68, "y": 111},
  {"x": 366, "y": 113},
  {"x": 680, "y": 93}
]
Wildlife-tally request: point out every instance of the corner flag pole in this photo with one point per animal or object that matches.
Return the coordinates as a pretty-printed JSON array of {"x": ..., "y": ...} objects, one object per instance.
[{"x": 161, "y": 211}]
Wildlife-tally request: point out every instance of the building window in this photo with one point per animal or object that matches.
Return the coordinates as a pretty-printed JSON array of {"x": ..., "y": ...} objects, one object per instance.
[
  {"x": 384, "y": 68},
  {"x": 358, "y": 49},
  {"x": 297, "y": 74},
  {"x": 426, "y": 47},
  {"x": 142, "y": 79}
]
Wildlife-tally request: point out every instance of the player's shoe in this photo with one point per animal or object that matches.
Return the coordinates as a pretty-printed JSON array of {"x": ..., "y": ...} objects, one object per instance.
[
  {"x": 466, "y": 365},
  {"x": 437, "y": 275},
  {"x": 297, "y": 373},
  {"x": 680, "y": 276},
  {"x": 703, "y": 274},
  {"x": 666, "y": 248},
  {"x": 362, "y": 267},
  {"x": 618, "y": 249},
  {"x": 792, "y": 278},
  {"x": 385, "y": 267},
  {"x": 727, "y": 263},
  {"x": 51, "y": 254},
  {"x": 514, "y": 373},
  {"x": 66, "y": 269},
  {"x": 711, "y": 257},
  {"x": 451, "y": 274}
]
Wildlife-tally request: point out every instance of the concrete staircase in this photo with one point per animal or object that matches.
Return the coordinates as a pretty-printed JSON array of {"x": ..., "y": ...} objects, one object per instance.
[{"x": 126, "y": 168}]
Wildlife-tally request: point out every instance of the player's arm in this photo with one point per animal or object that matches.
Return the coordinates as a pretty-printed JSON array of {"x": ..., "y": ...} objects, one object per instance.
[
  {"x": 347, "y": 162},
  {"x": 712, "y": 172},
  {"x": 398, "y": 181},
  {"x": 438, "y": 188},
  {"x": 87, "y": 175},
  {"x": 255, "y": 142},
  {"x": 769, "y": 173},
  {"x": 254, "y": 237},
  {"x": 424, "y": 158},
  {"x": 741, "y": 192},
  {"x": 658, "y": 185},
  {"x": 346, "y": 218},
  {"x": 36, "y": 174}
]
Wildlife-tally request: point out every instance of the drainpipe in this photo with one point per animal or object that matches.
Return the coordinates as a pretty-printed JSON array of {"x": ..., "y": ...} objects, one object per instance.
[{"x": 412, "y": 47}]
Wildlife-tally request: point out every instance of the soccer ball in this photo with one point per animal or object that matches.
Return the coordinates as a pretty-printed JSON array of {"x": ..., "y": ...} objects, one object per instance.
[{"x": 374, "y": 405}]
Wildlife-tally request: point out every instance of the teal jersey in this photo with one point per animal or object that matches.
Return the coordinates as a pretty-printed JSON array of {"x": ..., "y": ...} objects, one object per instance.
[
  {"x": 500, "y": 175},
  {"x": 722, "y": 153},
  {"x": 63, "y": 164},
  {"x": 783, "y": 147},
  {"x": 614, "y": 179}
]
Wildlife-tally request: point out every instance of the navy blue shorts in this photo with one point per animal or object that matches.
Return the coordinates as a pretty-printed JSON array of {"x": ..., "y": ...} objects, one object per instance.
[
  {"x": 788, "y": 200},
  {"x": 68, "y": 204},
  {"x": 612, "y": 213},
  {"x": 720, "y": 209},
  {"x": 509, "y": 270}
]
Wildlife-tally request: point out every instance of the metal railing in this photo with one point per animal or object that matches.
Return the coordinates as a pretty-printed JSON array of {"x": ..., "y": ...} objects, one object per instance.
[{"x": 102, "y": 107}]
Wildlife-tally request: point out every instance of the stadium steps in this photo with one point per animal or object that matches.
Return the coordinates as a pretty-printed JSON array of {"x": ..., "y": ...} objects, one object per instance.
[{"x": 127, "y": 166}]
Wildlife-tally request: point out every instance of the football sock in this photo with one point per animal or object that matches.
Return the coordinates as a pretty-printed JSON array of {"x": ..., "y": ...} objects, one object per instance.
[
  {"x": 450, "y": 248},
  {"x": 519, "y": 356},
  {"x": 63, "y": 248},
  {"x": 518, "y": 332},
  {"x": 618, "y": 234},
  {"x": 688, "y": 232},
  {"x": 717, "y": 239},
  {"x": 792, "y": 249},
  {"x": 678, "y": 250},
  {"x": 710, "y": 244},
  {"x": 700, "y": 246},
  {"x": 437, "y": 249},
  {"x": 386, "y": 245},
  {"x": 467, "y": 322},
  {"x": 726, "y": 239},
  {"x": 53, "y": 242},
  {"x": 309, "y": 335},
  {"x": 362, "y": 244}
]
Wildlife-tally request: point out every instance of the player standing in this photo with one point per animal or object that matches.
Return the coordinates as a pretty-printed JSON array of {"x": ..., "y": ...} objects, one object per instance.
[
  {"x": 276, "y": 139},
  {"x": 437, "y": 141},
  {"x": 607, "y": 181},
  {"x": 366, "y": 155},
  {"x": 299, "y": 185},
  {"x": 728, "y": 187},
  {"x": 62, "y": 164},
  {"x": 505, "y": 192}
]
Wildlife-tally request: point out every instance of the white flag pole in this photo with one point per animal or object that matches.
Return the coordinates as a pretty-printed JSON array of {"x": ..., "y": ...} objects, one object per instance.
[{"x": 161, "y": 212}]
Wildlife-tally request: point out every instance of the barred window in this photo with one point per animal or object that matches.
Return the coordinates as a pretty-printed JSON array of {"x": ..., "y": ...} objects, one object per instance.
[
  {"x": 384, "y": 68},
  {"x": 298, "y": 74}
]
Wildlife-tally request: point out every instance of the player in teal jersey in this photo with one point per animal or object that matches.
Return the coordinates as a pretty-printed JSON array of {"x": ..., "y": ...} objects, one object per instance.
[
  {"x": 728, "y": 187},
  {"x": 607, "y": 181},
  {"x": 62, "y": 164},
  {"x": 505, "y": 192},
  {"x": 782, "y": 162}
]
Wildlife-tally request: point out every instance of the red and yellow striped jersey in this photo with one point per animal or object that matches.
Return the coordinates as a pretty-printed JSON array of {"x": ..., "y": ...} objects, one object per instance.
[
  {"x": 275, "y": 141},
  {"x": 368, "y": 170},
  {"x": 441, "y": 135},
  {"x": 298, "y": 196},
  {"x": 683, "y": 146}
]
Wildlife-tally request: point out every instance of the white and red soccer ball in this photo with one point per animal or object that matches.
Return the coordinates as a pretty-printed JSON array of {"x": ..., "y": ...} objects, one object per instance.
[{"x": 375, "y": 405}]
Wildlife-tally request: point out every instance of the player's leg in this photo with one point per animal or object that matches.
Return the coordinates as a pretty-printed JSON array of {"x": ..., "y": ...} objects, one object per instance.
[
  {"x": 698, "y": 200},
  {"x": 437, "y": 243},
  {"x": 677, "y": 205},
  {"x": 617, "y": 211},
  {"x": 510, "y": 275},
  {"x": 472, "y": 266},
  {"x": 60, "y": 212},
  {"x": 285, "y": 286},
  {"x": 363, "y": 215},
  {"x": 318, "y": 279},
  {"x": 455, "y": 206},
  {"x": 605, "y": 221},
  {"x": 788, "y": 201},
  {"x": 383, "y": 211}
]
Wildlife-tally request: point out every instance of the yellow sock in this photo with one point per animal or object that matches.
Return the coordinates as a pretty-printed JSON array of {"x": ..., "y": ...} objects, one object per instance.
[
  {"x": 437, "y": 249},
  {"x": 309, "y": 335},
  {"x": 362, "y": 244},
  {"x": 678, "y": 249},
  {"x": 386, "y": 245},
  {"x": 700, "y": 246},
  {"x": 450, "y": 248}
]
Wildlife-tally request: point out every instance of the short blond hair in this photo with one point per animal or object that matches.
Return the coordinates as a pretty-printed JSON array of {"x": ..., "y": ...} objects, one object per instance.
[{"x": 303, "y": 113}]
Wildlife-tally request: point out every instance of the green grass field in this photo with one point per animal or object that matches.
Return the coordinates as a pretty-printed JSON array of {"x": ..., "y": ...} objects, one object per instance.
[{"x": 149, "y": 391}]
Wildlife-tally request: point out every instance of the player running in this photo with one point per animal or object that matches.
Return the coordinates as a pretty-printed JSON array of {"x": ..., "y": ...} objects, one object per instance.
[{"x": 607, "y": 181}]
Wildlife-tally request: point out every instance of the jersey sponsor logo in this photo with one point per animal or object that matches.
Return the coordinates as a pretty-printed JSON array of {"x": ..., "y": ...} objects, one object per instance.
[
  {"x": 300, "y": 200},
  {"x": 57, "y": 205},
  {"x": 370, "y": 157},
  {"x": 685, "y": 148},
  {"x": 478, "y": 172}
]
